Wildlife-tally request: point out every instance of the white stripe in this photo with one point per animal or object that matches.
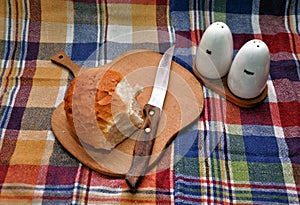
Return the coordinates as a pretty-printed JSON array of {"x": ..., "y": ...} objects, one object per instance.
[
  {"x": 212, "y": 12},
  {"x": 70, "y": 31},
  {"x": 2, "y": 132},
  {"x": 272, "y": 97},
  {"x": 50, "y": 136},
  {"x": 97, "y": 52},
  {"x": 121, "y": 34},
  {"x": 61, "y": 95},
  {"x": 77, "y": 184},
  {"x": 171, "y": 29},
  {"x": 70, "y": 25},
  {"x": 255, "y": 18},
  {"x": 255, "y": 24}
]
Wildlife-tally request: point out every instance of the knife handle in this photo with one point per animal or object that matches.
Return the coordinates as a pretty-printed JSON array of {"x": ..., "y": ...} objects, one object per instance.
[{"x": 143, "y": 147}]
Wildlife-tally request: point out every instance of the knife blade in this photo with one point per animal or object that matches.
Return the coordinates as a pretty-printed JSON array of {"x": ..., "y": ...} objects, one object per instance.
[{"x": 152, "y": 112}]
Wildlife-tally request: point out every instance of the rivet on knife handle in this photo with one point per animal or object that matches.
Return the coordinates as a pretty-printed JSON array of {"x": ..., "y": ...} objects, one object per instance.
[{"x": 143, "y": 147}]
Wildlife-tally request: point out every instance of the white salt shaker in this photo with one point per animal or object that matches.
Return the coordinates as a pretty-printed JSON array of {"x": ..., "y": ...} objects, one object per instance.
[
  {"x": 249, "y": 71},
  {"x": 214, "y": 54}
]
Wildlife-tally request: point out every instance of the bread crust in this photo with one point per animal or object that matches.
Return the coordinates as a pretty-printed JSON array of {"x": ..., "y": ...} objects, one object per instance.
[{"x": 105, "y": 98}]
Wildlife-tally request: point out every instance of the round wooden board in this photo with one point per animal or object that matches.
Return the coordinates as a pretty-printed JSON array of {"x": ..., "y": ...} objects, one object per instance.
[{"x": 183, "y": 105}]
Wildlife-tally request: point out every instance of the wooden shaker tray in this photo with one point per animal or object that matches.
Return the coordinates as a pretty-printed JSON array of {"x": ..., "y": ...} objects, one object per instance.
[{"x": 220, "y": 86}]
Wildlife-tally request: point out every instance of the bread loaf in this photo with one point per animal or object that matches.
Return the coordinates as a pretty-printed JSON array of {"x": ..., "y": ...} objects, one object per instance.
[{"x": 117, "y": 113}]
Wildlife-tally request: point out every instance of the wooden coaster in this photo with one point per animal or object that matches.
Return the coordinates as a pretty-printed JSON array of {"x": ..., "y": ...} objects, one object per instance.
[
  {"x": 183, "y": 105},
  {"x": 220, "y": 86}
]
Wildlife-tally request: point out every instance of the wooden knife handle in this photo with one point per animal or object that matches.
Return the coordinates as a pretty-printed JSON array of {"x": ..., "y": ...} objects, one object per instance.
[{"x": 143, "y": 147}]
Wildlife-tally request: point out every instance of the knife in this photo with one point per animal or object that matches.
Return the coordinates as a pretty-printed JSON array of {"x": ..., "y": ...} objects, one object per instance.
[{"x": 152, "y": 111}]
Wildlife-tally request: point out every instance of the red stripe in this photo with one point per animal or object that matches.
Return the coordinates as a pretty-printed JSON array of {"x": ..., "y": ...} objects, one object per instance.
[
  {"x": 290, "y": 115},
  {"x": 162, "y": 22},
  {"x": 20, "y": 197},
  {"x": 163, "y": 179},
  {"x": 276, "y": 42},
  {"x": 259, "y": 115}
]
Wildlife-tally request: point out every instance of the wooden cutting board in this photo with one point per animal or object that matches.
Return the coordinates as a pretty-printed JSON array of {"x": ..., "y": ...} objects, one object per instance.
[{"x": 183, "y": 105}]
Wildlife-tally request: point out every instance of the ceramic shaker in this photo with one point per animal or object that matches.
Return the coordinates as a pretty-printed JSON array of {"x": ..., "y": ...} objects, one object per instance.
[
  {"x": 214, "y": 53},
  {"x": 249, "y": 71}
]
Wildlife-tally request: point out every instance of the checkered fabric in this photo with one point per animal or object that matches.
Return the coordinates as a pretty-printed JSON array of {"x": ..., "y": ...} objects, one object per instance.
[{"x": 229, "y": 156}]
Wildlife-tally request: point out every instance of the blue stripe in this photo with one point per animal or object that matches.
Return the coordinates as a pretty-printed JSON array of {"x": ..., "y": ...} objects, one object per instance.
[
  {"x": 191, "y": 188},
  {"x": 239, "y": 7},
  {"x": 7, "y": 111},
  {"x": 185, "y": 61},
  {"x": 9, "y": 36},
  {"x": 296, "y": 15},
  {"x": 261, "y": 149},
  {"x": 24, "y": 42},
  {"x": 179, "y": 5},
  {"x": 268, "y": 198},
  {"x": 244, "y": 23},
  {"x": 58, "y": 188},
  {"x": 186, "y": 142},
  {"x": 8, "y": 44},
  {"x": 47, "y": 188},
  {"x": 288, "y": 66}
]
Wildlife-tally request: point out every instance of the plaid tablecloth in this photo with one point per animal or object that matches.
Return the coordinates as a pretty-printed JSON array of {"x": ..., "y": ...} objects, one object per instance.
[{"x": 229, "y": 156}]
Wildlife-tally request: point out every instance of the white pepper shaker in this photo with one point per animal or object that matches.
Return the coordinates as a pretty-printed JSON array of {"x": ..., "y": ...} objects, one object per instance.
[
  {"x": 249, "y": 71},
  {"x": 214, "y": 54}
]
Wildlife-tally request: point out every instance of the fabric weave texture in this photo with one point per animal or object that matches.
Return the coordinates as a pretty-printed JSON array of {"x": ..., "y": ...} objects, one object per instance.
[{"x": 230, "y": 155}]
